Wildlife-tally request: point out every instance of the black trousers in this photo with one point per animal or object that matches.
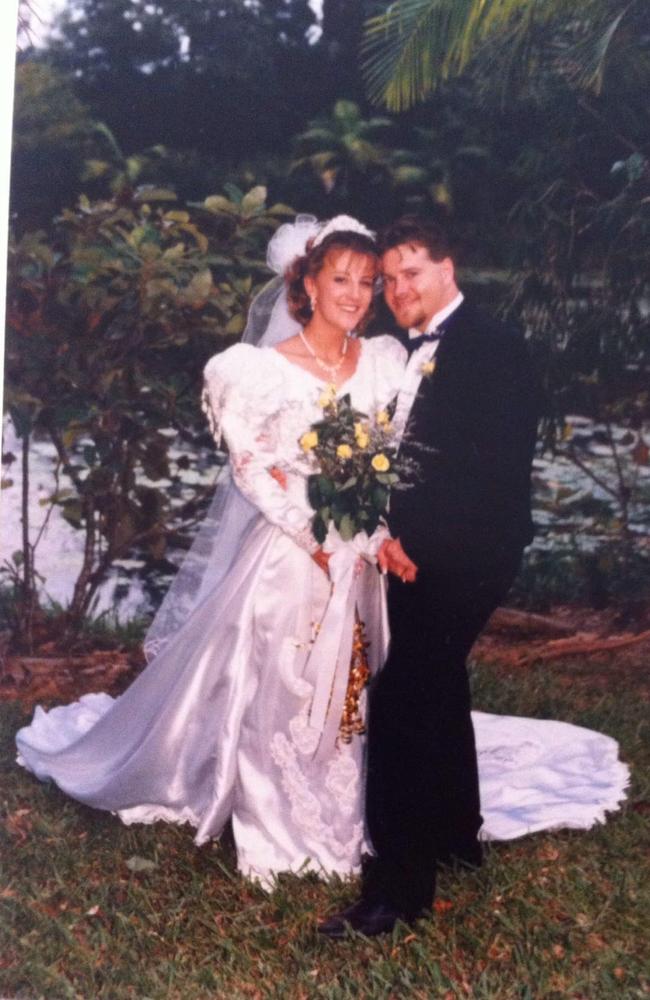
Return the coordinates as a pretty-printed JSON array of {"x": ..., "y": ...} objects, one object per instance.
[{"x": 422, "y": 799}]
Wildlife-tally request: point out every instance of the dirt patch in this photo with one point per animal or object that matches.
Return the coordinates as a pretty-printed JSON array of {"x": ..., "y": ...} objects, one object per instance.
[
  {"x": 47, "y": 679},
  {"x": 593, "y": 641}
]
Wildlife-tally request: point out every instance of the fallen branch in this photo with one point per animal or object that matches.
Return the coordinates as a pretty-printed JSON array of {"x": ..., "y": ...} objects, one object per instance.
[
  {"x": 507, "y": 619},
  {"x": 582, "y": 645}
]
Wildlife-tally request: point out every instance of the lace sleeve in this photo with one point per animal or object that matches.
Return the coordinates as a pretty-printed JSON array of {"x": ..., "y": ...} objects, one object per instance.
[{"x": 244, "y": 411}]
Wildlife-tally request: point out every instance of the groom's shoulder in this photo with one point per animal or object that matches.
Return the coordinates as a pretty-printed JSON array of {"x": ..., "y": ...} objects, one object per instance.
[{"x": 486, "y": 331}]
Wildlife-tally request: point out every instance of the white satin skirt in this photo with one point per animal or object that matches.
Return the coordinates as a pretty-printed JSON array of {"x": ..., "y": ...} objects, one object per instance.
[{"x": 217, "y": 726}]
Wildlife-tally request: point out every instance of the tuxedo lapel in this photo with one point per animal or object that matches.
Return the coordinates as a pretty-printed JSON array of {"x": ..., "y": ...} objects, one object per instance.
[{"x": 429, "y": 403}]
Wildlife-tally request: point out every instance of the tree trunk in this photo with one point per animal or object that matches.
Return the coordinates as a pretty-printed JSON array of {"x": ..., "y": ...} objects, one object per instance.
[{"x": 28, "y": 594}]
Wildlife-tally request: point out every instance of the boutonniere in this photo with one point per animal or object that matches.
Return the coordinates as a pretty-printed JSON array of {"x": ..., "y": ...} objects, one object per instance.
[{"x": 427, "y": 368}]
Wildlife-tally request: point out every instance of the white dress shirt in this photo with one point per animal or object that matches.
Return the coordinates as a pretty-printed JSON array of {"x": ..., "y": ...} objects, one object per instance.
[{"x": 414, "y": 372}]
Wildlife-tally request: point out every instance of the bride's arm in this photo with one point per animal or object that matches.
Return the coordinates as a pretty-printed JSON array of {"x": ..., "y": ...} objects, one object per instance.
[{"x": 236, "y": 411}]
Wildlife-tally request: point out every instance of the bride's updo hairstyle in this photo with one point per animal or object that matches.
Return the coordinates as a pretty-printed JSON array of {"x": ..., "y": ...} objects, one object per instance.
[{"x": 311, "y": 263}]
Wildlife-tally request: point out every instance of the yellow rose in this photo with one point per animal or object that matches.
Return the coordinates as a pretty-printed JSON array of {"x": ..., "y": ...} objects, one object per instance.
[
  {"x": 344, "y": 451},
  {"x": 327, "y": 397},
  {"x": 361, "y": 436},
  {"x": 309, "y": 440},
  {"x": 428, "y": 367},
  {"x": 383, "y": 419},
  {"x": 380, "y": 463}
]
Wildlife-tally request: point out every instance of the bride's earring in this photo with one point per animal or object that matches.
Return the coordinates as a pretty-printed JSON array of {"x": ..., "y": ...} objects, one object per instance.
[{"x": 312, "y": 302}]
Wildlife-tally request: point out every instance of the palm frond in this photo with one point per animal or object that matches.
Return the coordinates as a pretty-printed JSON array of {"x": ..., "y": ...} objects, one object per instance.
[
  {"x": 407, "y": 50},
  {"x": 590, "y": 55},
  {"x": 416, "y": 44}
]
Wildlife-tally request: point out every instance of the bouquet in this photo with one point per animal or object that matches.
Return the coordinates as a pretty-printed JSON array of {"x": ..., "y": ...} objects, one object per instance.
[{"x": 356, "y": 466}]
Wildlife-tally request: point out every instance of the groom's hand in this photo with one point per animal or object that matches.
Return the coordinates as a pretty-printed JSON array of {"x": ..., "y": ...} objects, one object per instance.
[
  {"x": 322, "y": 559},
  {"x": 392, "y": 558}
]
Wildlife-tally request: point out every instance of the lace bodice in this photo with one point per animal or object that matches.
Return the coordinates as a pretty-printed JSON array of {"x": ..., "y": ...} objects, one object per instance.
[{"x": 262, "y": 403}]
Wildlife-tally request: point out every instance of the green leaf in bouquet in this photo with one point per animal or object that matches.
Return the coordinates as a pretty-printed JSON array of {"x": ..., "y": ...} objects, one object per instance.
[
  {"x": 347, "y": 527},
  {"x": 318, "y": 528},
  {"x": 313, "y": 492},
  {"x": 387, "y": 478},
  {"x": 343, "y": 503},
  {"x": 380, "y": 497},
  {"x": 348, "y": 484},
  {"x": 320, "y": 490}
]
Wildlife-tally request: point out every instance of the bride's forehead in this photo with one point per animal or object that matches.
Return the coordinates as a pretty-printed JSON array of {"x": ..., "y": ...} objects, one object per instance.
[{"x": 347, "y": 261}]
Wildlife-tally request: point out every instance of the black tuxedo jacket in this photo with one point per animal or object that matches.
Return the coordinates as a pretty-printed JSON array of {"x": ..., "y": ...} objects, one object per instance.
[{"x": 469, "y": 507}]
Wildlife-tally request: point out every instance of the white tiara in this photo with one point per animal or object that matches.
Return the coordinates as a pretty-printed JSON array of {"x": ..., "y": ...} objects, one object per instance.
[
  {"x": 291, "y": 239},
  {"x": 343, "y": 224}
]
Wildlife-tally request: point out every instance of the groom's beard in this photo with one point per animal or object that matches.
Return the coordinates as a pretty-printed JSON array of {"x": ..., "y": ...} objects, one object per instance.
[{"x": 410, "y": 315}]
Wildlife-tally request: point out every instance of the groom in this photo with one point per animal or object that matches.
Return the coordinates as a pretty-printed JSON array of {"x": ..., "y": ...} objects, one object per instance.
[{"x": 469, "y": 398}]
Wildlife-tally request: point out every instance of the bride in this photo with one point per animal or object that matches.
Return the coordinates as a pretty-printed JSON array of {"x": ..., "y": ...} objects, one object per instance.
[
  {"x": 237, "y": 715},
  {"x": 239, "y": 712}
]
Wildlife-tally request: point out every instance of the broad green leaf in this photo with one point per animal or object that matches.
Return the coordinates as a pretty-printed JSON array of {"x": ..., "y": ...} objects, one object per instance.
[
  {"x": 146, "y": 193},
  {"x": 280, "y": 209},
  {"x": 217, "y": 203},
  {"x": 253, "y": 201},
  {"x": 201, "y": 239},
  {"x": 137, "y": 235},
  {"x": 236, "y": 324},
  {"x": 200, "y": 286},
  {"x": 176, "y": 215},
  {"x": 236, "y": 194},
  {"x": 175, "y": 252}
]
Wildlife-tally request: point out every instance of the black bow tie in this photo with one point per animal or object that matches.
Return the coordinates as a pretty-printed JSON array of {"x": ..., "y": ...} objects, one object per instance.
[
  {"x": 424, "y": 338},
  {"x": 428, "y": 338}
]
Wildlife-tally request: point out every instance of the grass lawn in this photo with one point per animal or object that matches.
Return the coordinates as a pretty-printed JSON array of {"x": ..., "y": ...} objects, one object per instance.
[{"x": 549, "y": 916}]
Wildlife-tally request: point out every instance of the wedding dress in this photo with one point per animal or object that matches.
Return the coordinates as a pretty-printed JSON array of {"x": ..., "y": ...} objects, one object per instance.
[{"x": 221, "y": 724}]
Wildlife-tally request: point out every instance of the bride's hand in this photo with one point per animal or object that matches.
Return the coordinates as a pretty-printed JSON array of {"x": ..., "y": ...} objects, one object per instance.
[
  {"x": 279, "y": 476},
  {"x": 322, "y": 559},
  {"x": 392, "y": 558}
]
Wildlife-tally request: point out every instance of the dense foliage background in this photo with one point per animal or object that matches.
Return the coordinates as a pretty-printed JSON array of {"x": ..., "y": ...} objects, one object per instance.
[{"x": 156, "y": 147}]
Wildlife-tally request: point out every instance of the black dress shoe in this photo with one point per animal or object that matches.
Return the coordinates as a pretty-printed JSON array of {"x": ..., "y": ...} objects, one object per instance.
[{"x": 367, "y": 917}]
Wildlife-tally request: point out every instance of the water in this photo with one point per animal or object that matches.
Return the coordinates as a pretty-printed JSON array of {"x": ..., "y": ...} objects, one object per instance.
[
  {"x": 570, "y": 509},
  {"x": 59, "y": 552}
]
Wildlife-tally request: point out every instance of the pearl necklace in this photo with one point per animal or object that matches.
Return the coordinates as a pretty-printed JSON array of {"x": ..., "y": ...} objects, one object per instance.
[{"x": 331, "y": 370}]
